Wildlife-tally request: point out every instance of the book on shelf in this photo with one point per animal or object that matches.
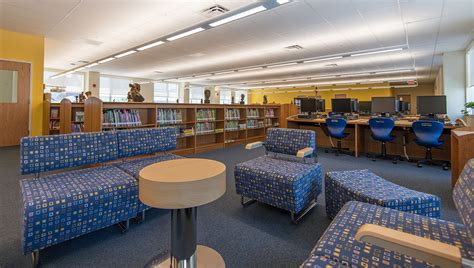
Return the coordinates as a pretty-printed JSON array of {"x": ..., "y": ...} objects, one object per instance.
[
  {"x": 232, "y": 114},
  {"x": 54, "y": 113},
  {"x": 270, "y": 112},
  {"x": 77, "y": 127},
  {"x": 54, "y": 125},
  {"x": 181, "y": 130},
  {"x": 270, "y": 122},
  {"x": 79, "y": 116},
  {"x": 242, "y": 126},
  {"x": 169, "y": 116},
  {"x": 255, "y": 123},
  {"x": 206, "y": 115},
  {"x": 231, "y": 125},
  {"x": 253, "y": 113},
  {"x": 205, "y": 127},
  {"x": 121, "y": 118}
]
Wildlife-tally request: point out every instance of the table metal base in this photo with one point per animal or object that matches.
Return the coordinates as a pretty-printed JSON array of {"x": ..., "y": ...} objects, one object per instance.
[{"x": 205, "y": 257}]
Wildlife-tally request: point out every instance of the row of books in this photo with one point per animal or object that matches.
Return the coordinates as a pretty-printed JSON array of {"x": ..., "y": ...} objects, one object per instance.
[
  {"x": 205, "y": 127},
  {"x": 183, "y": 131},
  {"x": 253, "y": 113},
  {"x": 54, "y": 125},
  {"x": 269, "y": 123},
  {"x": 270, "y": 113},
  {"x": 77, "y": 128},
  {"x": 121, "y": 118},
  {"x": 234, "y": 125},
  {"x": 169, "y": 116},
  {"x": 255, "y": 123},
  {"x": 206, "y": 115},
  {"x": 232, "y": 114}
]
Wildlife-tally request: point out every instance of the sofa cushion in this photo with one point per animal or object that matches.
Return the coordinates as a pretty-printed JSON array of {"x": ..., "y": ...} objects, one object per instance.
[
  {"x": 463, "y": 195},
  {"x": 339, "y": 245},
  {"x": 146, "y": 141},
  {"x": 286, "y": 184},
  {"x": 365, "y": 186},
  {"x": 134, "y": 166},
  {"x": 289, "y": 141},
  {"x": 45, "y": 153},
  {"x": 59, "y": 207}
]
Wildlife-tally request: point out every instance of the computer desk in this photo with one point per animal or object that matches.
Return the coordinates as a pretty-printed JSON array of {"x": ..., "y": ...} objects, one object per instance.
[{"x": 360, "y": 142}]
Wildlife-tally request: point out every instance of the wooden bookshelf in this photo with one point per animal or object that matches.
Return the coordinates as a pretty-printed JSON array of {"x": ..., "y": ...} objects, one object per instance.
[{"x": 250, "y": 124}]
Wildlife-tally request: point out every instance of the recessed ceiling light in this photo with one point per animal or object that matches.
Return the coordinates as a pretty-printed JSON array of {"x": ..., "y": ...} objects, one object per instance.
[
  {"x": 250, "y": 69},
  {"x": 150, "y": 45},
  {"x": 238, "y": 16},
  {"x": 126, "y": 53},
  {"x": 283, "y": 64},
  {"x": 107, "y": 60},
  {"x": 92, "y": 65},
  {"x": 323, "y": 59},
  {"x": 181, "y": 35},
  {"x": 376, "y": 52}
]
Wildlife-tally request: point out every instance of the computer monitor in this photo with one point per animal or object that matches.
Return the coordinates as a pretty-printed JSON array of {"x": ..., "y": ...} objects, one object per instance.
[
  {"x": 427, "y": 105},
  {"x": 384, "y": 105},
  {"x": 308, "y": 105},
  {"x": 320, "y": 105},
  {"x": 365, "y": 107},
  {"x": 345, "y": 105}
]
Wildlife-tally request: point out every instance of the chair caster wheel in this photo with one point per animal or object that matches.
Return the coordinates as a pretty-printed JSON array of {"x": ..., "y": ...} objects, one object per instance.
[
  {"x": 445, "y": 168},
  {"x": 395, "y": 162},
  {"x": 373, "y": 160},
  {"x": 418, "y": 165}
]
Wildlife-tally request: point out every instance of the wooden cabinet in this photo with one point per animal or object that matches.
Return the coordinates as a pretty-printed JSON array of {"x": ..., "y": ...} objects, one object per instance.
[{"x": 462, "y": 149}]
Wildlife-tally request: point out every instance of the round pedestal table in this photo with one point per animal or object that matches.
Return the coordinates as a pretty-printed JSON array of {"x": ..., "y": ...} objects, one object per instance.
[{"x": 182, "y": 185}]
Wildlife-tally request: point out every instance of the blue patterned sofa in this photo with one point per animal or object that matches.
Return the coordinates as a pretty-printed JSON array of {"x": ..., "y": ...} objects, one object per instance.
[
  {"x": 287, "y": 177},
  {"x": 61, "y": 206},
  {"x": 343, "y": 246},
  {"x": 363, "y": 185}
]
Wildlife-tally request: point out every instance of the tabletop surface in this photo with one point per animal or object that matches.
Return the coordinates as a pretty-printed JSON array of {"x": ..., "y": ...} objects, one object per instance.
[{"x": 182, "y": 170}]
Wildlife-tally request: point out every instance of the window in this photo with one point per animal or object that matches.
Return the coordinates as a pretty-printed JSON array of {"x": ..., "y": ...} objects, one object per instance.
[
  {"x": 237, "y": 96},
  {"x": 114, "y": 89},
  {"x": 225, "y": 96},
  {"x": 166, "y": 92},
  {"x": 68, "y": 86},
  {"x": 196, "y": 94},
  {"x": 470, "y": 74}
]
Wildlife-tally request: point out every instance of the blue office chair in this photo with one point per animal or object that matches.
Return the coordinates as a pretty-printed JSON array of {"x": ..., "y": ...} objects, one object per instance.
[
  {"x": 381, "y": 128},
  {"x": 427, "y": 135},
  {"x": 336, "y": 127}
]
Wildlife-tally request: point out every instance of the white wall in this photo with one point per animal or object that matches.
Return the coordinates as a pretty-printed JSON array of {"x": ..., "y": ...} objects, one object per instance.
[
  {"x": 93, "y": 78},
  {"x": 147, "y": 91},
  {"x": 454, "y": 82}
]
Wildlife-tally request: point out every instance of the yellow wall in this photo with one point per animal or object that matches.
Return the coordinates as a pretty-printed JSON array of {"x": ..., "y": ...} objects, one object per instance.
[
  {"x": 256, "y": 96},
  {"x": 29, "y": 48}
]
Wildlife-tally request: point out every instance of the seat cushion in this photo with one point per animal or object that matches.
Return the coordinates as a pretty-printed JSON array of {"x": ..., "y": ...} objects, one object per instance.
[
  {"x": 134, "y": 166},
  {"x": 339, "y": 245},
  {"x": 358, "y": 185},
  {"x": 62, "y": 206},
  {"x": 284, "y": 183}
]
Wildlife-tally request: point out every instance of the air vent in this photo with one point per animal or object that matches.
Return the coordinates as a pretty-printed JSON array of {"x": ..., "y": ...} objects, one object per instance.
[
  {"x": 294, "y": 47},
  {"x": 214, "y": 11}
]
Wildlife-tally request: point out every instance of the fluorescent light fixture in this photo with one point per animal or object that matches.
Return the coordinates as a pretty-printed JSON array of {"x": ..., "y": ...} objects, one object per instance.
[
  {"x": 181, "y": 35},
  {"x": 238, "y": 16},
  {"x": 202, "y": 75},
  {"x": 326, "y": 77},
  {"x": 107, "y": 60},
  {"x": 376, "y": 52},
  {"x": 323, "y": 59},
  {"x": 250, "y": 69},
  {"x": 351, "y": 75},
  {"x": 150, "y": 45},
  {"x": 281, "y": 2},
  {"x": 394, "y": 71},
  {"x": 126, "y": 53},
  {"x": 92, "y": 65},
  {"x": 283, "y": 64},
  {"x": 79, "y": 69},
  {"x": 226, "y": 72}
]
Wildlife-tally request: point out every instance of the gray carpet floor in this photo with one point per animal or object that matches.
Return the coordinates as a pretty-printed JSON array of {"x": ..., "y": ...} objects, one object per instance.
[{"x": 255, "y": 236}]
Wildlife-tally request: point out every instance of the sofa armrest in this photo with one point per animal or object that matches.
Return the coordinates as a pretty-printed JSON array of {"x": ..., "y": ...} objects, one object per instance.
[
  {"x": 435, "y": 252},
  {"x": 254, "y": 145},
  {"x": 305, "y": 152}
]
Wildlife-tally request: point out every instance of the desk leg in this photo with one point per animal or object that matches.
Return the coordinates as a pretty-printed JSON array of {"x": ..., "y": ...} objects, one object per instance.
[{"x": 356, "y": 141}]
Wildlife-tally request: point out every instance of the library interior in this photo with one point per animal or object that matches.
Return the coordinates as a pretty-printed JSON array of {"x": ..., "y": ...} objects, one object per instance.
[{"x": 237, "y": 133}]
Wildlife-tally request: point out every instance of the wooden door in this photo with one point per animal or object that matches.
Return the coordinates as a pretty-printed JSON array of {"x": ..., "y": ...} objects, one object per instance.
[{"x": 14, "y": 102}]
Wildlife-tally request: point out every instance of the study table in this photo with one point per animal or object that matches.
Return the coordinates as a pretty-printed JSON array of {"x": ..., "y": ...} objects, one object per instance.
[
  {"x": 182, "y": 185},
  {"x": 359, "y": 140}
]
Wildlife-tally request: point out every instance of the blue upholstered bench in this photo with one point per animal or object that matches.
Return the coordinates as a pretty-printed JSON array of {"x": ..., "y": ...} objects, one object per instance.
[
  {"x": 363, "y": 185},
  {"x": 61, "y": 206},
  {"x": 339, "y": 247}
]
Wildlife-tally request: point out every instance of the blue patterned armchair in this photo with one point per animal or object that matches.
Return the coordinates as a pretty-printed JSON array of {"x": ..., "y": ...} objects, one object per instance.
[
  {"x": 287, "y": 177},
  {"x": 367, "y": 235}
]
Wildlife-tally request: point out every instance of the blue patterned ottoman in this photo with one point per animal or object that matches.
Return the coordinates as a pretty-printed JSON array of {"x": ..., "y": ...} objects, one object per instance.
[{"x": 364, "y": 186}]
